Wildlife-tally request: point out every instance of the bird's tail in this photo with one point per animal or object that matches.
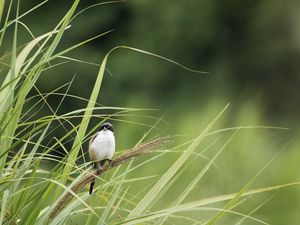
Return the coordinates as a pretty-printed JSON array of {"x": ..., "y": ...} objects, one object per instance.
[{"x": 92, "y": 185}]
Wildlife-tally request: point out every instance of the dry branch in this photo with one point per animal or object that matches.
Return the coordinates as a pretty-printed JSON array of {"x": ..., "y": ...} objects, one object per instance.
[{"x": 127, "y": 155}]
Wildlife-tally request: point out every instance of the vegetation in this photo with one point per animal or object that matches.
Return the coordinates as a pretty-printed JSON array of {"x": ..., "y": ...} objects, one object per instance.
[{"x": 235, "y": 170}]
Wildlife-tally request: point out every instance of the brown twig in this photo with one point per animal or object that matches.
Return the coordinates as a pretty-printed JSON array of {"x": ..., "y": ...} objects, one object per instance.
[{"x": 127, "y": 155}]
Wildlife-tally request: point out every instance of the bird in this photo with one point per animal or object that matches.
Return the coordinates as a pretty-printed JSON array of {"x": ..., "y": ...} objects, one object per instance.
[{"x": 102, "y": 148}]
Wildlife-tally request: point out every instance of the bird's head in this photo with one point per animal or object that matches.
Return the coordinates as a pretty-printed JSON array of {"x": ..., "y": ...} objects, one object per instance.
[{"x": 106, "y": 126}]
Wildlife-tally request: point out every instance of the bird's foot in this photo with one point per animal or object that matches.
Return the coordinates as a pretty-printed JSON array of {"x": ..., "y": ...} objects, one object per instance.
[
  {"x": 99, "y": 168},
  {"x": 98, "y": 171}
]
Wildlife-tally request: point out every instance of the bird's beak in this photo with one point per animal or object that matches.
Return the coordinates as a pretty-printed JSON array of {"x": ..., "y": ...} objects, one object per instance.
[{"x": 104, "y": 128}]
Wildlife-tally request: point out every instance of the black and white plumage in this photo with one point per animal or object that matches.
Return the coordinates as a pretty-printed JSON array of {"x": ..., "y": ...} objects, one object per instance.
[{"x": 102, "y": 147}]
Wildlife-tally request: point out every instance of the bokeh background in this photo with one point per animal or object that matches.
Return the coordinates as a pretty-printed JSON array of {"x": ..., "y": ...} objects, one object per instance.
[{"x": 251, "y": 51}]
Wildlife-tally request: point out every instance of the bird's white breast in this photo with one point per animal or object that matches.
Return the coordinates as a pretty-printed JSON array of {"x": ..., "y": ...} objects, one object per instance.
[{"x": 103, "y": 146}]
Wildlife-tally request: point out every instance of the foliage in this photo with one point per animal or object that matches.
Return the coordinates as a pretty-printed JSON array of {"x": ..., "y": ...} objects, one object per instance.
[{"x": 171, "y": 185}]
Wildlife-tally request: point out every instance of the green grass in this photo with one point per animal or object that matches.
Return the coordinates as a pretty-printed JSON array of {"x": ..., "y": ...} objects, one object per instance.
[{"x": 222, "y": 174}]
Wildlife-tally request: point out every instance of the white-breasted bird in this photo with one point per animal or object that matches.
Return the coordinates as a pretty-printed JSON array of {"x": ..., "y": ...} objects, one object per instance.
[{"x": 102, "y": 148}]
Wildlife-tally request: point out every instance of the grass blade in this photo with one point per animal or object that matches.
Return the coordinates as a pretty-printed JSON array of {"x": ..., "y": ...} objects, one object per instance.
[
  {"x": 2, "y": 2},
  {"x": 244, "y": 189},
  {"x": 167, "y": 176},
  {"x": 84, "y": 122},
  {"x": 3, "y": 206}
]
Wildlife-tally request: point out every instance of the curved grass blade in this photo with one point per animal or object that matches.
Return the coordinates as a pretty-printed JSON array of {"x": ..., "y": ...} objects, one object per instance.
[
  {"x": 244, "y": 189},
  {"x": 144, "y": 204}
]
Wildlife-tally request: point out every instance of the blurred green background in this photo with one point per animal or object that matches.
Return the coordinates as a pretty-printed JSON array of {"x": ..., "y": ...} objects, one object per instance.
[{"x": 251, "y": 50}]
